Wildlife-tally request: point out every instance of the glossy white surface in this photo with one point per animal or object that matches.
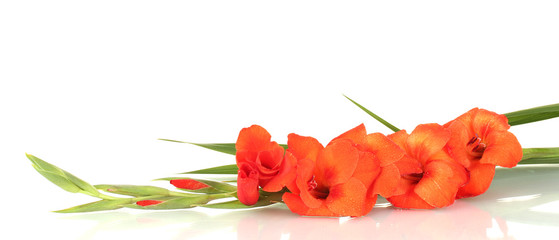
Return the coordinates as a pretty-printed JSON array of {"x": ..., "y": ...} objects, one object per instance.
[
  {"x": 522, "y": 203},
  {"x": 91, "y": 85}
]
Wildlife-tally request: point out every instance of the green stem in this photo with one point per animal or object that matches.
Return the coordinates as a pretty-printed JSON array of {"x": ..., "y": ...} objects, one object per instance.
[
  {"x": 540, "y": 155},
  {"x": 533, "y": 114}
]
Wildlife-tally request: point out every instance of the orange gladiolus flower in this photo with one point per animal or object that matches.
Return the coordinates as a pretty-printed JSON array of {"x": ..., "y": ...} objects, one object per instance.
[
  {"x": 261, "y": 163},
  {"x": 429, "y": 177},
  {"x": 334, "y": 180},
  {"x": 480, "y": 140}
]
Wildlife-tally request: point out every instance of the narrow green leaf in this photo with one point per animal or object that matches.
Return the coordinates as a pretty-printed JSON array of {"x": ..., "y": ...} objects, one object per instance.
[
  {"x": 225, "y": 169},
  {"x": 533, "y": 114},
  {"x": 218, "y": 186},
  {"x": 100, "y": 205},
  {"x": 228, "y": 148},
  {"x": 133, "y": 190},
  {"x": 384, "y": 122},
  {"x": 540, "y": 156},
  {"x": 58, "y": 180},
  {"x": 61, "y": 178},
  {"x": 264, "y": 200},
  {"x": 178, "y": 203}
]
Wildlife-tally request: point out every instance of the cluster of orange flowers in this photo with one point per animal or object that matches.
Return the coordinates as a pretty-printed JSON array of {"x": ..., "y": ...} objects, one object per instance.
[{"x": 427, "y": 168}]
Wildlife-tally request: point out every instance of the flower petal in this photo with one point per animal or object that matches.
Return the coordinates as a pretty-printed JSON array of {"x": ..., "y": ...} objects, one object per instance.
[
  {"x": 254, "y": 138},
  {"x": 350, "y": 199},
  {"x": 384, "y": 149},
  {"x": 503, "y": 149},
  {"x": 440, "y": 183},
  {"x": 303, "y": 147},
  {"x": 481, "y": 176},
  {"x": 305, "y": 171},
  {"x": 409, "y": 200},
  {"x": 336, "y": 163},
  {"x": 426, "y": 140},
  {"x": 457, "y": 144},
  {"x": 285, "y": 176},
  {"x": 387, "y": 181},
  {"x": 356, "y": 135},
  {"x": 485, "y": 121},
  {"x": 296, "y": 205},
  {"x": 368, "y": 168}
]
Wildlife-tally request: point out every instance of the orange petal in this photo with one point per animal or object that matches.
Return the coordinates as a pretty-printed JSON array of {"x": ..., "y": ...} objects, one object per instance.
[
  {"x": 440, "y": 183},
  {"x": 400, "y": 138},
  {"x": 356, "y": 135},
  {"x": 349, "y": 199},
  {"x": 305, "y": 169},
  {"x": 387, "y": 181},
  {"x": 269, "y": 161},
  {"x": 485, "y": 121},
  {"x": 481, "y": 176},
  {"x": 254, "y": 138},
  {"x": 336, "y": 163},
  {"x": 368, "y": 168},
  {"x": 285, "y": 176},
  {"x": 503, "y": 149},
  {"x": 456, "y": 146},
  {"x": 426, "y": 140},
  {"x": 303, "y": 147},
  {"x": 409, "y": 200},
  {"x": 384, "y": 149},
  {"x": 296, "y": 205},
  {"x": 406, "y": 166}
]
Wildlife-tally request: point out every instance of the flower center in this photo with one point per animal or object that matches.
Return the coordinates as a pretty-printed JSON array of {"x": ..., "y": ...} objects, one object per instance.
[
  {"x": 414, "y": 177},
  {"x": 315, "y": 191},
  {"x": 476, "y": 147}
]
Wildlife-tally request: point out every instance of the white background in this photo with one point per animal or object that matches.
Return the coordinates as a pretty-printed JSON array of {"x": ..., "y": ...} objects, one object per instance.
[{"x": 91, "y": 85}]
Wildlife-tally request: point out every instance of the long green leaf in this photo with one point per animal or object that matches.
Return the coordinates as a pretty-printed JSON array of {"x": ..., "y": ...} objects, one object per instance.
[
  {"x": 133, "y": 190},
  {"x": 228, "y": 148},
  {"x": 540, "y": 156},
  {"x": 225, "y": 169},
  {"x": 384, "y": 122},
  {"x": 178, "y": 203},
  {"x": 61, "y": 178},
  {"x": 100, "y": 205},
  {"x": 533, "y": 114},
  {"x": 264, "y": 200}
]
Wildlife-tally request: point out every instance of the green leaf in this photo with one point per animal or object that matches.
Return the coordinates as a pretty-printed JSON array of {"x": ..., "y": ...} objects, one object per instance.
[
  {"x": 133, "y": 190},
  {"x": 178, "y": 203},
  {"x": 218, "y": 186},
  {"x": 228, "y": 148},
  {"x": 264, "y": 200},
  {"x": 225, "y": 169},
  {"x": 533, "y": 114},
  {"x": 540, "y": 156},
  {"x": 384, "y": 122},
  {"x": 61, "y": 178},
  {"x": 101, "y": 205}
]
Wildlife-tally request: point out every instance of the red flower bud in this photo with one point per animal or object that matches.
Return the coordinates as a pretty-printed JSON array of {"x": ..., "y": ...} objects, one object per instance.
[
  {"x": 144, "y": 203},
  {"x": 247, "y": 184},
  {"x": 189, "y": 184}
]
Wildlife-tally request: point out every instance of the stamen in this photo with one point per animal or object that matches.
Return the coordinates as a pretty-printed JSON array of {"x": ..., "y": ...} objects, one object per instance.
[{"x": 476, "y": 146}]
